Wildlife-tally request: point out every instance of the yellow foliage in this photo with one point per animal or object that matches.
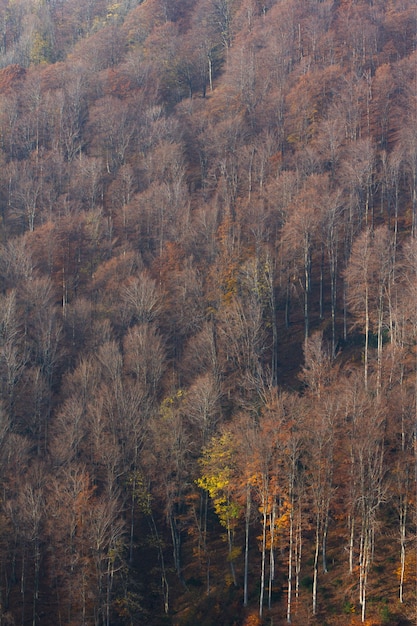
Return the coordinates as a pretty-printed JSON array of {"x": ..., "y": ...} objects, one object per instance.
[
  {"x": 40, "y": 52},
  {"x": 409, "y": 569},
  {"x": 169, "y": 403},
  {"x": 217, "y": 476},
  {"x": 113, "y": 10},
  {"x": 140, "y": 492}
]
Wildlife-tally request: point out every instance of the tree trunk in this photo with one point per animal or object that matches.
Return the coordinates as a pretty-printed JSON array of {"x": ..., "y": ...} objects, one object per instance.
[
  {"x": 272, "y": 515},
  {"x": 403, "y": 521},
  {"x": 324, "y": 541},
  {"x": 176, "y": 544},
  {"x": 164, "y": 581},
  {"x": 262, "y": 589},
  {"x": 307, "y": 275},
  {"x": 231, "y": 560},
  {"x": 247, "y": 520},
  {"x": 366, "y": 334},
  {"x": 316, "y": 565},
  {"x": 364, "y": 563},
  {"x": 321, "y": 283},
  {"x": 290, "y": 559},
  {"x": 351, "y": 541},
  {"x": 37, "y": 557},
  {"x": 298, "y": 552}
]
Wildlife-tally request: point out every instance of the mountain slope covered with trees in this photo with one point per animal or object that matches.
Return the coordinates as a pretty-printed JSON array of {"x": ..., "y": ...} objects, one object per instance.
[{"x": 208, "y": 312}]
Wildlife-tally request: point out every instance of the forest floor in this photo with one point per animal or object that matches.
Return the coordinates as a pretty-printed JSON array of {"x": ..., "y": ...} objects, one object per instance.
[{"x": 338, "y": 603}]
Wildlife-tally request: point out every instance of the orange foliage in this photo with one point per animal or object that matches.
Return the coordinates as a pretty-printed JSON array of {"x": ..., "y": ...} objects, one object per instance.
[
  {"x": 118, "y": 84},
  {"x": 252, "y": 619},
  {"x": 11, "y": 76},
  {"x": 171, "y": 260}
]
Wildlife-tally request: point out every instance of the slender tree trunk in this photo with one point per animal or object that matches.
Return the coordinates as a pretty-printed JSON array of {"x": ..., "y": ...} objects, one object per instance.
[
  {"x": 37, "y": 556},
  {"x": 364, "y": 562},
  {"x": 316, "y": 565},
  {"x": 231, "y": 560},
  {"x": 247, "y": 520},
  {"x": 395, "y": 222},
  {"x": 307, "y": 275},
  {"x": 366, "y": 334},
  {"x": 403, "y": 522},
  {"x": 290, "y": 561},
  {"x": 333, "y": 302},
  {"x": 324, "y": 541},
  {"x": 344, "y": 311},
  {"x": 321, "y": 305},
  {"x": 132, "y": 518},
  {"x": 210, "y": 72},
  {"x": 272, "y": 516},
  {"x": 164, "y": 581},
  {"x": 298, "y": 552},
  {"x": 263, "y": 558},
  {"x": 379, "y": 348},
  {"x": 403, "y": 511},
  {"x": 176, "y": 544},
  {"x": 351, "y": 541}
]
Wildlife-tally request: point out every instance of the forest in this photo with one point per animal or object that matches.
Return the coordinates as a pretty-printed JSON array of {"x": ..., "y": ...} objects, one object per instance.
[{"x": 208, "y": 312}]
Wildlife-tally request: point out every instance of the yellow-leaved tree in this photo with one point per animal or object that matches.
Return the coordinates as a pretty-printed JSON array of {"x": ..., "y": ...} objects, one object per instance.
[{"x": 217, "y": 478}]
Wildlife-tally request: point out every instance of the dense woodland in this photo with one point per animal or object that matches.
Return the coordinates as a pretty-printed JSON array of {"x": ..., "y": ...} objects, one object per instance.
[{"x": 208, "y": 312}]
